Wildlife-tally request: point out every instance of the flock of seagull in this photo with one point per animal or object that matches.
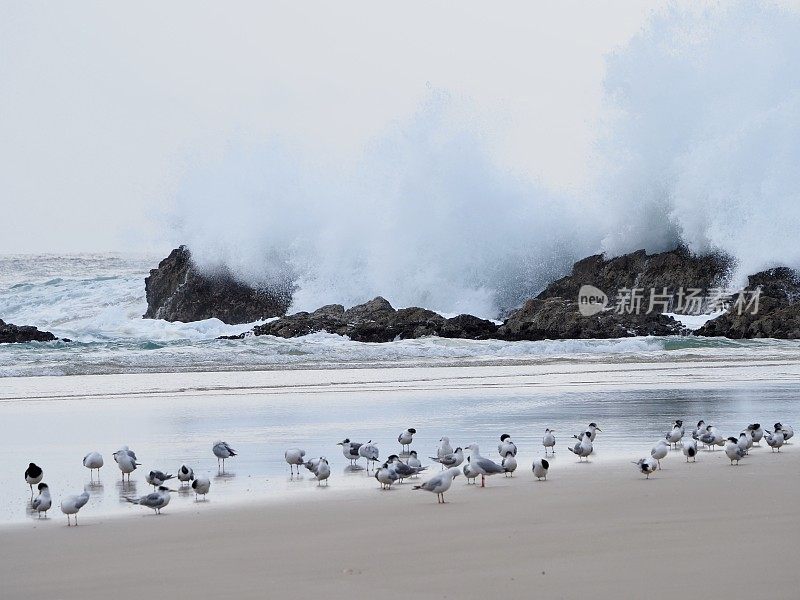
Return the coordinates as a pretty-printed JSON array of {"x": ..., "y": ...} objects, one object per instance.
[{"x": 395, "y": 470}]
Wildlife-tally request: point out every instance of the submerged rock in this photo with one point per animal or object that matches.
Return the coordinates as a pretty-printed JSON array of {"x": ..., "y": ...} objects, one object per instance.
[
  {"x": 178, "y": 291},
  {"x": 778, "y": 313},
  {"x": 23, "y": 333}
]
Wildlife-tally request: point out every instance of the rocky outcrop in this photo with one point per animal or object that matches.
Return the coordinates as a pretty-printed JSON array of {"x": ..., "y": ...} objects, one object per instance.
[
  {"x": 777, "y": 314},
  {"x": 378, "y": 321},
  {"x": 178, "y": 291},
  {"x": 23, "y": 333}
]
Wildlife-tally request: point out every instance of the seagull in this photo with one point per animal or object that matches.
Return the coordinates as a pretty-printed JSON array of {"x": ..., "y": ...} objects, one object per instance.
[
  {"x": 157, "y": 478},
  {"x": 659, "y": 451},
  {"x": 593, "y": 429},
  {"x": 788, "y": 432},
  {"x": 155, "y": 500},
  {"x": 450, "y": 460},
  {"x": 690, "y": 450},
  {"x": 42, "y": 502},
  {"x": 322, "y": 471},
  {"x": 312, "y": 463},
  {"x": 679, "y": 425},
  {"x": 386, "y": 476},
  {"x": 482, "y": 465},
  {"x": 699, "y": 430},
  {"x": 444, "y": 447},
  {"x": 549, "y": 441},
  {"x": 72, "y": 504},
  {"x": 405, "y": 438},
  {"x": 413, "y": 461},
  {"x": 712, "y": 438},
  {"x": 674, "y": 436},
  {"x": 294, "y": 456},
  {"x": 734, "y": 452},
  {"x": 509, "y": 464},
  {"x": 92, "y": 461},
  {"x": 775, "y": 440},
  {"x": 647, "y": 466},
  {"x": 745, "y": 441},
  {"x": 403, "y": 470},
  {"x": 506, "y": 445},
  {"x": 469, "y": 471},
  {"x": 584, "y": 447},
  {"x": 540, "y": 468},
  {"x": 756, "y": 431},
  {"x": 222, "y": 451},
  {"x": 201, "y": 485},
  {"x": 370, "y": 452},
  {"x": 126, "y": 461},
  {"x": 350, "y": 450},
  {"x": 439, "y": 484},
  {"x": 33, "y": 475},
  {"x": 185, "y": 474}
]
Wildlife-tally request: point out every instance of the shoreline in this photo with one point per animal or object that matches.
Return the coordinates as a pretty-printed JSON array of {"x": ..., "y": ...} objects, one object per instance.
[{"x": 600, "y": 529}]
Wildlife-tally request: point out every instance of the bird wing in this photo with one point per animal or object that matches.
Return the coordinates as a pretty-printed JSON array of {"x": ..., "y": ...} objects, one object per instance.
[{"x": 81, "y": 500}]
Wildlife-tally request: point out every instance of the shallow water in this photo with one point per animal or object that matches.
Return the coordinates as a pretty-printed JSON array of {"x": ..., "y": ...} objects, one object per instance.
[{"x": 171, "y": 419}]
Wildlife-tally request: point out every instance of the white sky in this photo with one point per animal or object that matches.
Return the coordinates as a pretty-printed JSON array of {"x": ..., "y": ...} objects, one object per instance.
[{"x": 106, "y": 108}]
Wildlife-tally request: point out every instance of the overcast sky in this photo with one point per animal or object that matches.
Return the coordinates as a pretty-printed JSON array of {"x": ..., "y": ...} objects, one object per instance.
[{"x": 107, "y": 109}]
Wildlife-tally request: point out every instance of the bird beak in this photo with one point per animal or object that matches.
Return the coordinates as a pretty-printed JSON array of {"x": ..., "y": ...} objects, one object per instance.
[{"x": 340, "y": 444}]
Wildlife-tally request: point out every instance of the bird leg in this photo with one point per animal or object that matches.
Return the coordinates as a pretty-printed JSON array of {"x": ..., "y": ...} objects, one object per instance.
[{"x": 483, "y": 481}]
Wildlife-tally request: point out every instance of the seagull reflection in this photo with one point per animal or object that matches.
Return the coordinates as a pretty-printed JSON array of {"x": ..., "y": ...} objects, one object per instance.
[
  {"x": 125, "y": 488},
  {"x": 94, "y": 487},
  {"x": 353, "y": 469}
]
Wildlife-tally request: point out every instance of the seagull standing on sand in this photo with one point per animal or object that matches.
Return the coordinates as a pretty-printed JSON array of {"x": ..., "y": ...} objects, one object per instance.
[
  {"x": 386, "y": 476},
  {"x": 33, "y": 475},
  {"x": 72, "y": 504},
  {"x": 756, "y": 432},
  {"x": 444, "y": 447},
  {"x": 509, "y": 464},
  {"x": 745, "y": 441},
  {"x": 222, "y": 451},
  {"x": 370, "y": 452},
  {"x": 659, "y": 451},
  {"x": 42, "y": 502},
  {"x": 540, "y": 468},
  {"x": 646, "y": 466},
  {"x": 157, "y": 478},
  {"x": 92, "y": 461},
  {"x": 592, "y": 430},
  {"x": 674, "y": 436},
  {"x": 294, "y": 456},
  {"x": 413, "y": 461},
  {"x": 549, "y": 441},
  {"x": 775, "y": 440},
  {"x": 712, "y": 438},
  {"x": 690, "y": 450},
  {"x": 439, "y": 484},
  {"x": 506, "y": 445},
  {"x": 185, "y": 474},
  {"x": 484, "y": 466},
  {"x": 155, "y": 500},
  {"x": 734, "y": 451},
  {"x": 403, "y": 470},
  {"x": 788, "y": 432},
  {"x": 450, "y": 460},
  {"x": 350, "y": 450},
  {"x": 699, "y": 430},
  {"x": 584, "y": 447},
  {"x": 406, "y": 438},
  {"x": 126, "y": 461},
  {"x": 201, "y": 485},
  {"x": 470, "y": 472},
  {"x": 322, "y": 471}
]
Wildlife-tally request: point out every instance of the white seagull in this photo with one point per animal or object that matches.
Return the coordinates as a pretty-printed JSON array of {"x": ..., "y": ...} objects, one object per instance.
[
  {"x": 33, "y": 475},
  {"x": 201, "y": 485},
  {"x": 322, "y": 471},
  {"x": 690, "y": 450},
  {"x": 386, "y": 476},
  {"x": 222, "y": 451},
  {"x": 549, "y": 441},
  {"x": 506, "y": 445},
  {"x": 72, "y": 504},
  {"x": 482, "y": 465},
  {"x": 350, "y": 450},
  {"x": 540, "y": 468},
  {"x": 126, "y": 461},
  {"x": 734, "y": 452},
  {"x": 470, "y": 472},
  {"x": 775, "y": 440},
  {"x": 584, "y": 447},
  {"x": 756, "y": 431},
  {"x": 294, "y": 456},
  {"x": 450, "y": 460},
  {"x": 788, "y": 432},
  {"x": 42, "y": 502},
  {"x": 439, "y": 484},
  {"x": 155, "y": 500},
  {"x": 444, "y": 447},
  {"x": 659, "y": 451},
  {"x": 413, "y": 461},
  {"x": 646, "y": 466},
  {"x": 675, "y": 435},
  {"x": 509, "y": 464},
  {"x": 745, "y": 441},
  {"x": 403, "y": 470},
  {"x": 369, "y": 451},
  {"x": 406, "y": 438},
  {"x": 157, "y": 478},
  {"x": 92, "y": 461},
  {"x": 185, "y": 474},
  {"x": 699, "y": 430}
]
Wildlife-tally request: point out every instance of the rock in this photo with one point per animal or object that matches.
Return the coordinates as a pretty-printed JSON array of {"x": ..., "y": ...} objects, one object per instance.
[
  {"x": 23, "y": 333},
  {"x": 778, "y": 314},
  {"x": 468, "y": 327},
  {"x": 177, "y": 291}
]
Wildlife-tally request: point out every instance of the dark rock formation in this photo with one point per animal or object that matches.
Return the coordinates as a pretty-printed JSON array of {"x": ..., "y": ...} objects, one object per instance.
[
  {"x": 778, "y": 314},
  {"x": 378, "y": 321},
  {"x": 23, "y": 333},
  {"x": 177, "y": 291}
]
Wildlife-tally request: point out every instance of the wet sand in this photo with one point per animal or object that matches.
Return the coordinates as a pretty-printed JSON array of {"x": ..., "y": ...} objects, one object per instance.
[{"x": 598, "y": 530}]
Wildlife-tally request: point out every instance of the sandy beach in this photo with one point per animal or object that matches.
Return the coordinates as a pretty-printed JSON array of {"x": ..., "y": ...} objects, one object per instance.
[{"x": 599, "y": 530}]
